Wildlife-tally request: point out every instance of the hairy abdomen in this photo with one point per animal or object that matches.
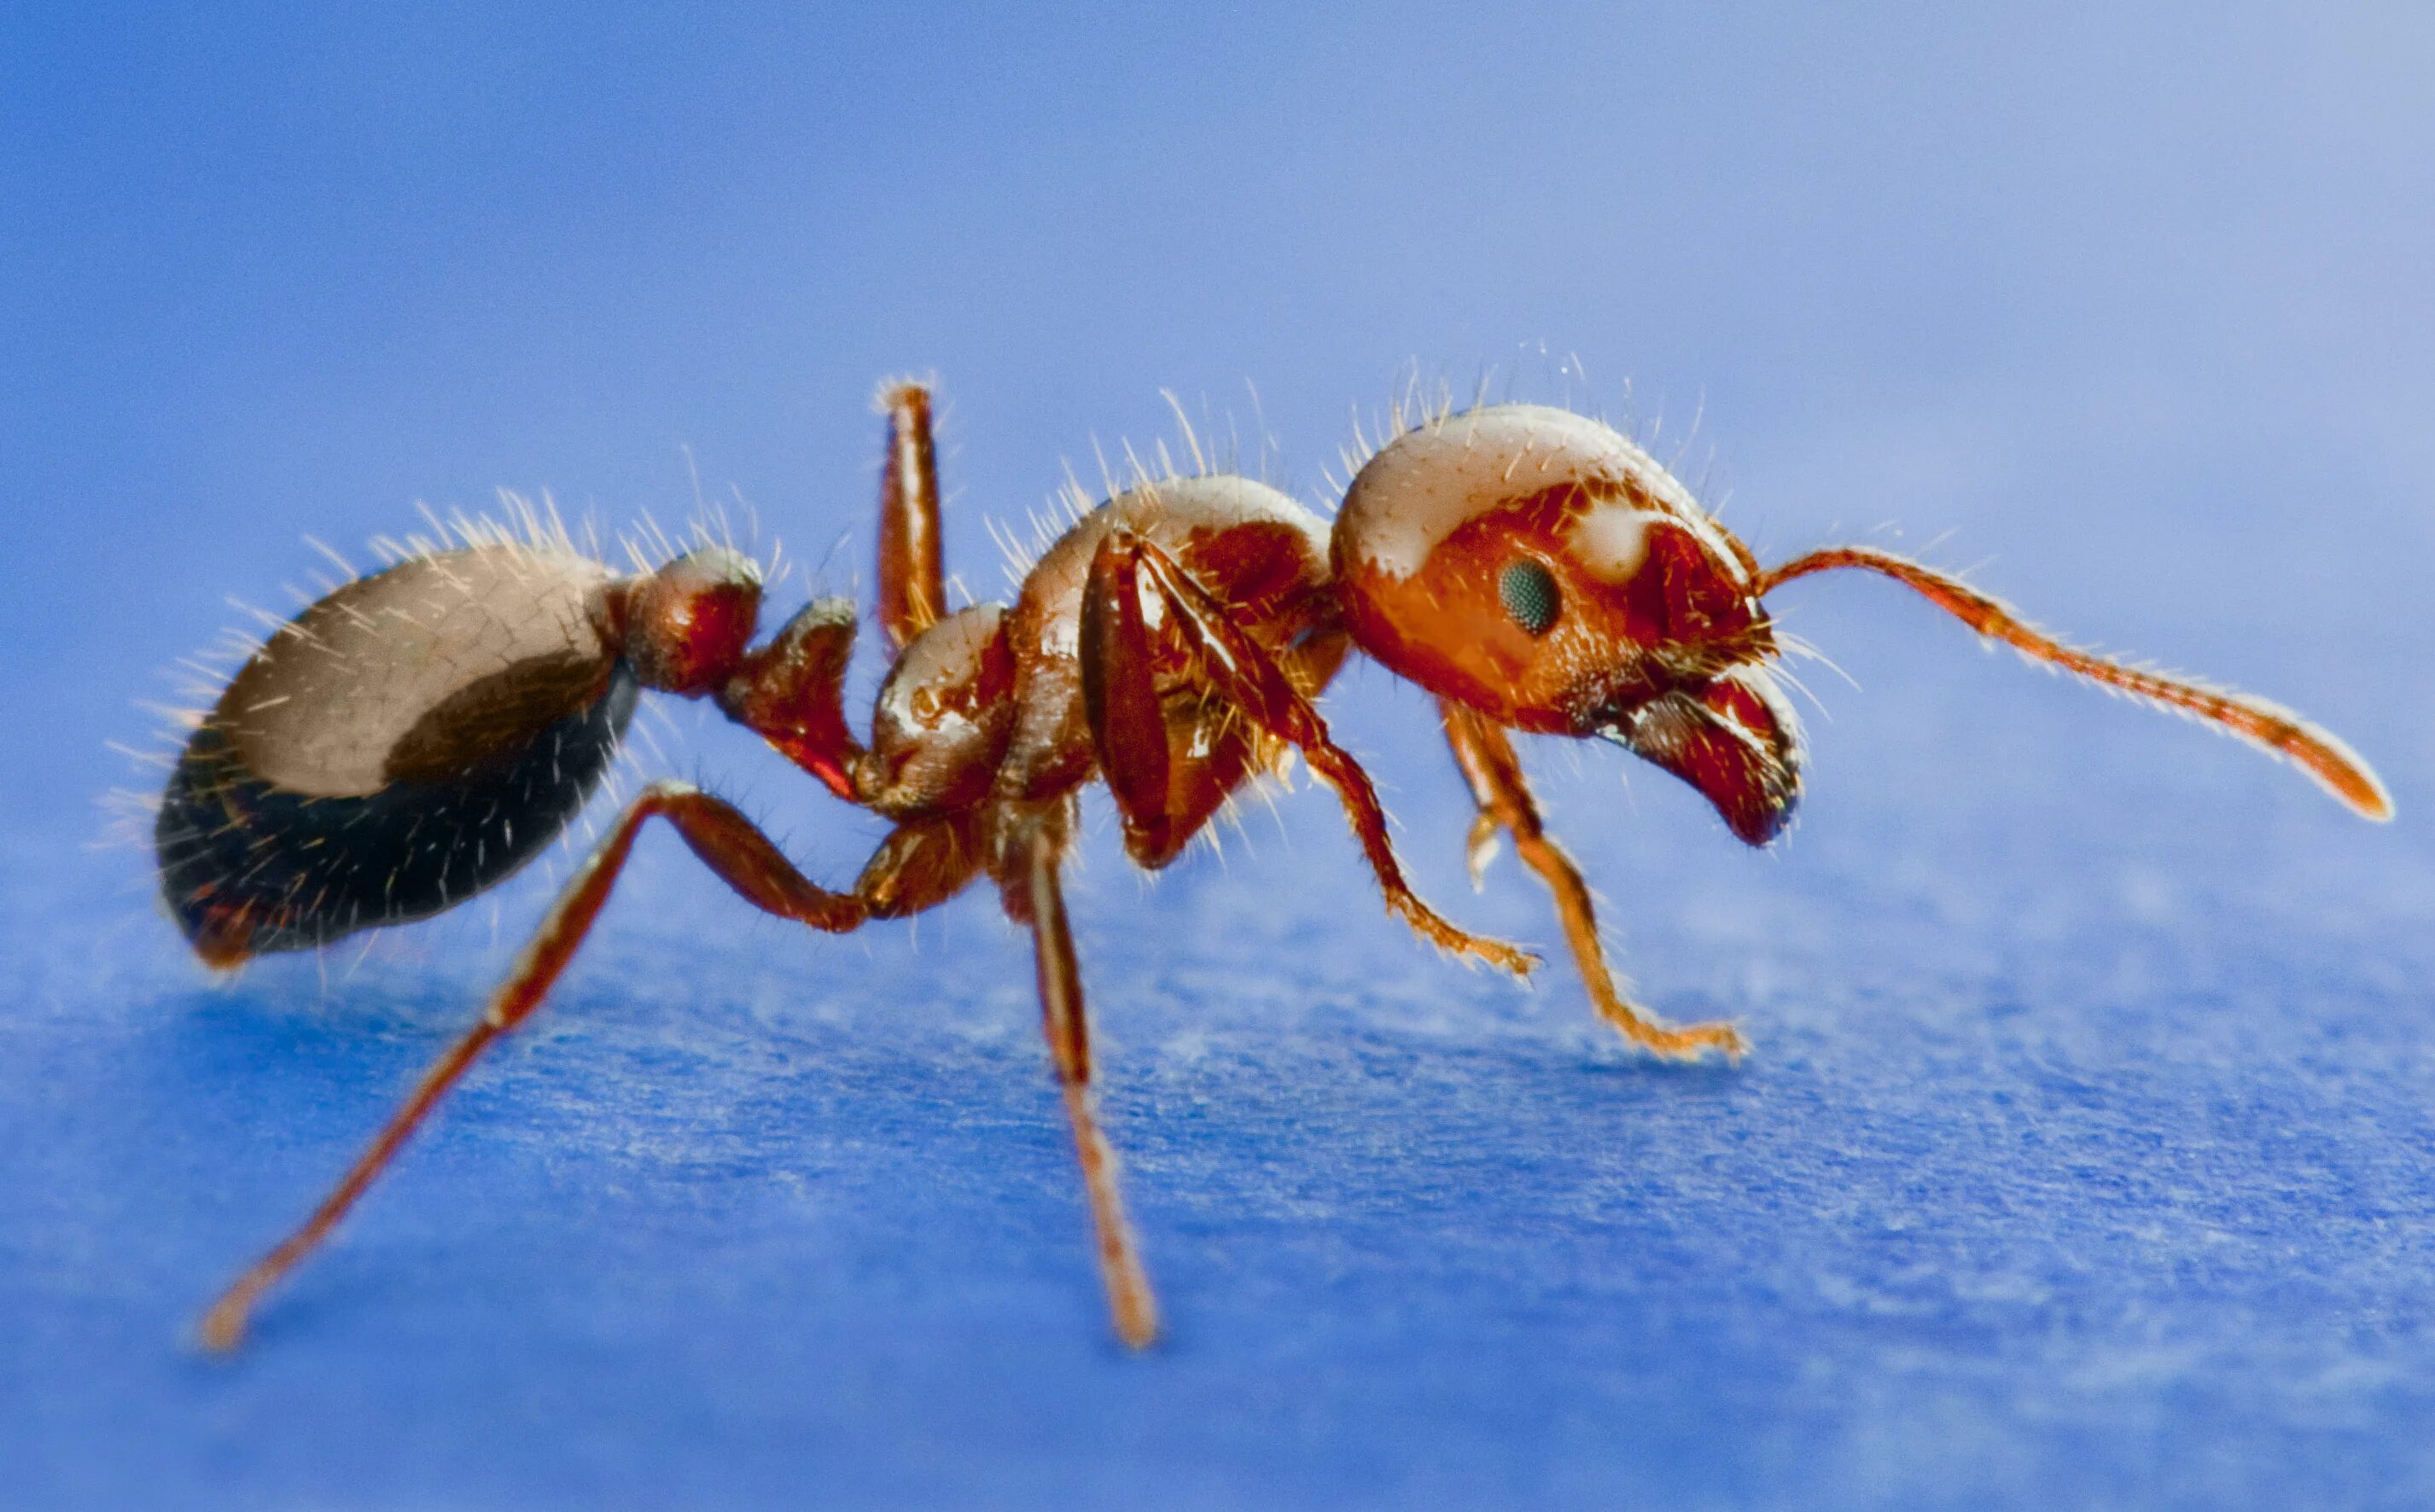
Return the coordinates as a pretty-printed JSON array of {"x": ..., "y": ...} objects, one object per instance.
[{"x": 404, "y": 743}]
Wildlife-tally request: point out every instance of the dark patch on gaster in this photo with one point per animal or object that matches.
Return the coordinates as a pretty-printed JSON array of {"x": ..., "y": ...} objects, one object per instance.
[
  {"x": 249, "y": 867},
  {"x": 483, "y": 728}
]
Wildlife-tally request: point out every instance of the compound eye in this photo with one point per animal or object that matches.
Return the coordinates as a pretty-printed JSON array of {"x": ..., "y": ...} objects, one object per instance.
[{"x": 1528, "y": 591}]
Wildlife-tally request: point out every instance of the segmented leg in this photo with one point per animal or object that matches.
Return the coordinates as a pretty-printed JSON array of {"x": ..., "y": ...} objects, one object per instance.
[
  {"x": 1117, "y": 688},
  {"x": 1169, "y": 761},
  {"x": 912, "y": 570},
  {"x": 2318, "y": 751},
  {"x": 1486, "y": 756},
  {"x": 922, "y": 864},
  {"x": 1210, "y": 748},
  {"x": 1034, "y": 896},
  {"x": 727, "y": 842}
]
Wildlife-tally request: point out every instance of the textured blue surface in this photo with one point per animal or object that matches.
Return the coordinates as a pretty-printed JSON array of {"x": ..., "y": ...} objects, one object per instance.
[{"x": 2085, "y": 1157}]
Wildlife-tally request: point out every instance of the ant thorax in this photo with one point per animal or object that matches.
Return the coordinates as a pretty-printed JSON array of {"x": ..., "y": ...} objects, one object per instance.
[
  {"x": 1254, "y": 549},
  {"x": 939, "y": 729}
]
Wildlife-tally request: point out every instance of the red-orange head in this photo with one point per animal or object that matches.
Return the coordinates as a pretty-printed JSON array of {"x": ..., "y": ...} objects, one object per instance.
[{"x": 1537, "y": 566}]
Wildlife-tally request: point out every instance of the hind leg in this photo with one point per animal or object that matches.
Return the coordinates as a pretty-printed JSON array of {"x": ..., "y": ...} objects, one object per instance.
[{"x": 736, "y": 851}]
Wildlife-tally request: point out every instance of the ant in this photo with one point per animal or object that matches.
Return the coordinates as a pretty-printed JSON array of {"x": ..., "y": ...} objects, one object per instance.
[{"x": 418, "y": 734}]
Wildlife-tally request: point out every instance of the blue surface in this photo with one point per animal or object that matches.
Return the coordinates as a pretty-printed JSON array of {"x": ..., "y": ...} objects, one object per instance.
[{"x": 2084, "y": 1156}]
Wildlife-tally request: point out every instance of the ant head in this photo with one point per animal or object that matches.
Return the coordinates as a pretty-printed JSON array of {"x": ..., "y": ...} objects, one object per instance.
[
  {"x": 943, "y": 718},
  {"x": 1540, "y": 568},
  {"x": 686, "y": 625}
]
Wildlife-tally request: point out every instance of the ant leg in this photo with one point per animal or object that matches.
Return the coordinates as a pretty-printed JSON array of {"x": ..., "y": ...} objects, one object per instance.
[
  {"x": 1167, "y": 763},
  {"x": 1494, "y": 773},
  {"x": 728, "y": 843},
  {"x": 1210, "y": 748},
  {"x": 912, "y": 570},
  {"x": 922, "y": 864},
  {"x": 1034, "y": 896},
  {"x": 1118, "y": 661},
  {"x": 2319, "y": 751},
  {"x": 1121, "y": 699}
]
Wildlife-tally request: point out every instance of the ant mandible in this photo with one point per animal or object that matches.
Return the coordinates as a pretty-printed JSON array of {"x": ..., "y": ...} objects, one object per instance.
[{"x": 418, "y": 734}]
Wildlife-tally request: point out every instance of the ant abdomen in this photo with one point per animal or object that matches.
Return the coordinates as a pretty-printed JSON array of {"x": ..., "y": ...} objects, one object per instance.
[{"x": 407, "y": 741}]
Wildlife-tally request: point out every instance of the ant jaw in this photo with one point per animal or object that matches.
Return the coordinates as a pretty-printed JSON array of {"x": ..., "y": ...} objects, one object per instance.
[{"x": 1734, "y": 738}]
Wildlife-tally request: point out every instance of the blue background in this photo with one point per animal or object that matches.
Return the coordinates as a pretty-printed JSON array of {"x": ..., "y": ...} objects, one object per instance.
[{"x": 2084, "y": 1156}]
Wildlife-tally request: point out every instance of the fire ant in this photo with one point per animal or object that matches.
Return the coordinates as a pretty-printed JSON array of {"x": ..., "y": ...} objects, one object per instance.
[{"x": 421, "y": 733}]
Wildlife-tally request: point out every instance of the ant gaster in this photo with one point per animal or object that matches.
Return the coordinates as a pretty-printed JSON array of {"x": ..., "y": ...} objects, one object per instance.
[{"x": 418, "y": 734}]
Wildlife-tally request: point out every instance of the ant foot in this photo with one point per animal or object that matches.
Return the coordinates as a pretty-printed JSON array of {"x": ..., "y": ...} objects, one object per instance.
[
  {"x": 223, "y": 1327},
  {"x": 1689, "y": 1043}
]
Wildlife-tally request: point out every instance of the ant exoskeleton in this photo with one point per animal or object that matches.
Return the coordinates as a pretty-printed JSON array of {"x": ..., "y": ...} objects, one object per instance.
[{"x": 418, "y": 734}]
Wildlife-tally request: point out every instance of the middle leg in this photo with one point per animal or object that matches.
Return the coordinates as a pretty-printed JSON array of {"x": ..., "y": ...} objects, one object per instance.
[
  {"x": 1027, "y": 861},
  {"x": 1489, "y": 764}
]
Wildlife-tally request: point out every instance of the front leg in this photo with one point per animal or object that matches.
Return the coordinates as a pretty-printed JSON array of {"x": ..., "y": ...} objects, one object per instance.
[
  {"x": 1131, "y": 732},
  {"x": 1489, "y": 764}
]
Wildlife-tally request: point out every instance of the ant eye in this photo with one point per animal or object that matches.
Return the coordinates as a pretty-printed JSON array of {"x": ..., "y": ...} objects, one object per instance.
[{"x": 1528, "y": 591}]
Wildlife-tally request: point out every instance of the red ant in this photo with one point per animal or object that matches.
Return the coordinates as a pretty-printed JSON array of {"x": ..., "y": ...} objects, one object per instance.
[{"x": 418, "y": 734}]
